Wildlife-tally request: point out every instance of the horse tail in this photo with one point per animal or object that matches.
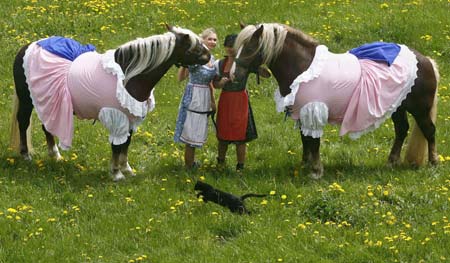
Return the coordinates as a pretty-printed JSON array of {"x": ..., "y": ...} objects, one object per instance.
[
  {"x": 417, "y": 148},
  {"x": 14, "y": 140}
]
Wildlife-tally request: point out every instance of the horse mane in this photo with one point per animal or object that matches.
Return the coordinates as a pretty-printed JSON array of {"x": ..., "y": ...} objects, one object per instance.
[
  {"x": 145, "y": 54},
  {"x": 272, "y": 39}
]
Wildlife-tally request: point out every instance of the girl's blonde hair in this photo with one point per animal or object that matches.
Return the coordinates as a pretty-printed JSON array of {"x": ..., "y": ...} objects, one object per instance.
[{"x": 207, "y": 32}]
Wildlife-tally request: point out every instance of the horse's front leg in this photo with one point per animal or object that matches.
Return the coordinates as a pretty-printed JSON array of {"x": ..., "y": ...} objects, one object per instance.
[
  {"x": 119, "y": 160},
  {"x": 52, "y": 148},
  {"x": 311, "y": 152},
  {"x": 307, "y": 156},
  {"x": 123, "y": 158}
]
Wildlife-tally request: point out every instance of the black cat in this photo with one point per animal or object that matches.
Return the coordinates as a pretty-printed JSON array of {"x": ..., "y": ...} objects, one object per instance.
[{"x": 232, "y": 202}]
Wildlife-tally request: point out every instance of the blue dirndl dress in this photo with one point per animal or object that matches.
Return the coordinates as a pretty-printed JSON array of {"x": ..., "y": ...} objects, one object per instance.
[{"x": 192, "y": 121}]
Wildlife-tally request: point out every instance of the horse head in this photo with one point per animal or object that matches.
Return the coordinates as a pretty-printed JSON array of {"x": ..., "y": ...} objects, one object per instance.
[
  {"x": 189, "y": 49},
  {"x": 249, "y": 53}
]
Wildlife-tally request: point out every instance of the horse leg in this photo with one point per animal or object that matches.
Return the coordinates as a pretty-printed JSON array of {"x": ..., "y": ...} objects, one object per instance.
[
  {"x": 52, "y": 148},
  {"x": 313, "y": 144},
  {"x": 428, "y": 129},
  {"x": 119, "y": 160},
  {"x": 25, "y": 106},
  {"x": 422, "y": 104},
  {"x": 401, "y": 127},
  {"x": 115, "y": 163},
  {"x": 306, "y": 157},
  {"x": 23, "y": 117},
  {"x": 123, "y": 158}
]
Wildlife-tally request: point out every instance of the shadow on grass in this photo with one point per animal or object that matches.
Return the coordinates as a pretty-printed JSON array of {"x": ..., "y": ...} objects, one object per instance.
[{"x": 44, "y": 172}]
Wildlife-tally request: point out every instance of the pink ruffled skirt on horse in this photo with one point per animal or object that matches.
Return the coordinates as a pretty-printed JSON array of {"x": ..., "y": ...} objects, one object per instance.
[
  {"x": 91, "y": 87},
  {"x": 358, "y": 94}
]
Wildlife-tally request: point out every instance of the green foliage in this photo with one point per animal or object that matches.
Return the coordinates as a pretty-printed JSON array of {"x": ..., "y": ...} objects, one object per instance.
[{"x": 360, "y": 211}]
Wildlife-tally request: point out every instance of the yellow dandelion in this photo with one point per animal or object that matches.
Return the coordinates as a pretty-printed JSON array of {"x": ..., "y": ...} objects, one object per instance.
[{"x": 12, "y": 210}]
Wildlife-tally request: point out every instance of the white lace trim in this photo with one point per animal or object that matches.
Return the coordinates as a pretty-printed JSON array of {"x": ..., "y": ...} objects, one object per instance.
[
  {"x": 313, "y": 117},
  {"x": 117, "y": 124},
  {"x": 406, "y": 89},
  {"x": 311, "y": 73},
  {"x": 135, "y": 107}
]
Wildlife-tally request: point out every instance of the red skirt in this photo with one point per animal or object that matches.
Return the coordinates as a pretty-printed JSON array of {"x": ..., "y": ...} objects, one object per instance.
[{"x": 232, "y": 116}]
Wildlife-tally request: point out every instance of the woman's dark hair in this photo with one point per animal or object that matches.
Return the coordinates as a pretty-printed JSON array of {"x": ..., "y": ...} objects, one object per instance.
[{"x": 229, "y": 40}]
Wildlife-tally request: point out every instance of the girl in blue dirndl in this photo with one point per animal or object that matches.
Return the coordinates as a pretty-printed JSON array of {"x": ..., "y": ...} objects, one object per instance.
[{"x": 198, "y": 100}]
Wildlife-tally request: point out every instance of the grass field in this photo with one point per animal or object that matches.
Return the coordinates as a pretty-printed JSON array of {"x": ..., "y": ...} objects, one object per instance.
[{"x": 360, "y": 211}]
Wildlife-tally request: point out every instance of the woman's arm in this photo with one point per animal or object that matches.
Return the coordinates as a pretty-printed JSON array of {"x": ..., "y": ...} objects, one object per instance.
[
  {"x": 183, "y": 73},
  {"x": 213, "y": 99}
]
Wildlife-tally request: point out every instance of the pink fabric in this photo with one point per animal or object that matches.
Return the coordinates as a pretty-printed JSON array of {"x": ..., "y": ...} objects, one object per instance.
[
  {"x": 59, "y": 88},
  {"x": 91, "y": 87},
  {"x": 46, "y": 76},
  {"x": 359, "y": 94}
]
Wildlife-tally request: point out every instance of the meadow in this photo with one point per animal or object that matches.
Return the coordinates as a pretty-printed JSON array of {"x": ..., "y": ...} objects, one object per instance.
[{"x": 361, "y": 210}]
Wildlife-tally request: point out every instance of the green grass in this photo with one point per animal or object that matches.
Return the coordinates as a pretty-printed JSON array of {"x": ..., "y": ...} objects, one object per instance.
[{"x": 360, "y": 211}]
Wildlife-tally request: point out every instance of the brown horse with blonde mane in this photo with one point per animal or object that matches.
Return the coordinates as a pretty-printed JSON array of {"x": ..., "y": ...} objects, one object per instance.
[{"x": 351, "y": 89}]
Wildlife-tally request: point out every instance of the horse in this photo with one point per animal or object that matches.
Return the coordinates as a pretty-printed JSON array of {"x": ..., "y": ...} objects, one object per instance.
[
  {"x": 351, "y": 89},
  {"x": 63, "y": 83}
]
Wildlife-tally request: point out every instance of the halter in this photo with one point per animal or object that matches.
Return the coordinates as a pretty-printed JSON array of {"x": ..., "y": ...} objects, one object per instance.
[
  {"x": 250, "y": 68},
  {"x": 187, "y": 53}
]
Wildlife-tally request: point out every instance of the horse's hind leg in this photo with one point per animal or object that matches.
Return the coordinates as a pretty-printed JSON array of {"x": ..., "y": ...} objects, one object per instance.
[
  {"x": 23, "y": 117},
  {"x": 422, "y": 104},
  {"x": 428, "y": 129},
  {"x": 25, "y": 104},
  {"x": 52, "y": 148},
  {"x": 401, "y": 127}
]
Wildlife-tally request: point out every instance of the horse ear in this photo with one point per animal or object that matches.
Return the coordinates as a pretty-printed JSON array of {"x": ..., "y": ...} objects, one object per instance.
[
  {"x": 169, "y": 27},
  {"x": 242, "y": 24},
  {"x": 258, "y": 32},
  {"x": 186, "y": 40}
]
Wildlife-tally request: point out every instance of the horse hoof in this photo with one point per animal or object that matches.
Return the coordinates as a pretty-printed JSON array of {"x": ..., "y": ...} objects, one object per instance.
[
  {"x": 26, "y": 157},
  {"x": 394, "y": 162},
  {"x": 315, "y": 176},
  {"x": 434, "y": 162},
  {"x": 57, "y": 156},
  {"x": 118, "y": 176},
  {"x": 128, "y": 170}
]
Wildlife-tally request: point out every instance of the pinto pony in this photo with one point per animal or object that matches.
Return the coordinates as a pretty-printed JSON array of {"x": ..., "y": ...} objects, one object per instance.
[
  {"x": 60, "y": 77},
  {"x": 358, "y": 90}
]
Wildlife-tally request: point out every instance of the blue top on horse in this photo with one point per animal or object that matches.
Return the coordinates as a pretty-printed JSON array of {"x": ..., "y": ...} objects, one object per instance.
[
  {"x": 60, "y": 77},
  {"x": 357, "y": 90}
]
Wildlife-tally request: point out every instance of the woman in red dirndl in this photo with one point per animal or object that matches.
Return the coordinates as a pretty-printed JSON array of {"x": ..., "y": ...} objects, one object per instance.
[{"x": 235, "y": 123}]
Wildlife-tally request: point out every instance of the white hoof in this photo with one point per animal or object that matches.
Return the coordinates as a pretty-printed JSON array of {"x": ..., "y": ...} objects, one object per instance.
[
  {"x": 27, "y": 157},
  {"x": 118, "y": 176},
  {"x": 128, "y": 170},
  {"x": 54, "y": 153},
  {"x": 315, "y": 176}
]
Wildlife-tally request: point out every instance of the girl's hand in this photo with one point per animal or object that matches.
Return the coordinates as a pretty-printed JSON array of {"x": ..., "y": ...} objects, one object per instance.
[{"x": 223, "y": 81}]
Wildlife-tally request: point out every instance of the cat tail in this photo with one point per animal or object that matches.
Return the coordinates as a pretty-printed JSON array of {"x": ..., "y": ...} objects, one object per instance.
[{"x": 251, "y": 195}]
